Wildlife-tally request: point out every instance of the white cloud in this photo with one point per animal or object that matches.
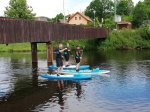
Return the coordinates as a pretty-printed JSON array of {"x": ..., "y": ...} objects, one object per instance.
[
  {"x": 45, "y": 7},
  {"x": 50, "y": 8},
  {"x": 3, "y": 4}
]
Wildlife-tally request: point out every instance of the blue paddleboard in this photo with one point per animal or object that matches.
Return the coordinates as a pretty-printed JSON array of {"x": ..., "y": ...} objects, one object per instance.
[
  {"x": 95, "y": 71},
  {"x": 67, "y": 77},
  {"x": 70, "y": 67}
]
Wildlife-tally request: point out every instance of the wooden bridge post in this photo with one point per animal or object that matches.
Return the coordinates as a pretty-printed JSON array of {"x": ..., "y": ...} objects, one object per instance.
[
  {"x": 34, "y": 56},
  {"x": 49, "y": 53}
]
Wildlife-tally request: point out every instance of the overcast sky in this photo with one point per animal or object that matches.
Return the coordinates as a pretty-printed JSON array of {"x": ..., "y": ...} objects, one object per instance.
[{"x": 50, "y": 8}]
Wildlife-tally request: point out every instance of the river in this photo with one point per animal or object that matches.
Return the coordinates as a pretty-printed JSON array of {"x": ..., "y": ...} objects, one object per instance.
[{"x": 125, "y": 89}]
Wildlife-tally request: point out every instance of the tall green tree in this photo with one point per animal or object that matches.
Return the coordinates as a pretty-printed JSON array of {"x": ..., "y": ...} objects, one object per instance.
[
  {"x": 103, "y": 9},
  {"x": 125, "y": 7},
  {"x": 19, "y": 9},
  {"x": 139, "y": 14},
  {"x": 147, "y": 4}
]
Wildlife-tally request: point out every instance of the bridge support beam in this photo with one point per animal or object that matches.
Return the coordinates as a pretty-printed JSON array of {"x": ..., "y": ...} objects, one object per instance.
[
  {"x": 34, "y": 56},
  {"x": 49, "y": 53}
]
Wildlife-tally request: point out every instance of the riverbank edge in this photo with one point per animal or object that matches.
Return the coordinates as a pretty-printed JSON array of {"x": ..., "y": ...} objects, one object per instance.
[{"x": 41, "y": 47}]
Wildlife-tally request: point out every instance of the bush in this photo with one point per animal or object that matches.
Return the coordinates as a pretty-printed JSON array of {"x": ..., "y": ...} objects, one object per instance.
[
  {"x": 144, "y": 32},
  {"x": 122, "y": 39},
  {"x": 109, "y": 23}
]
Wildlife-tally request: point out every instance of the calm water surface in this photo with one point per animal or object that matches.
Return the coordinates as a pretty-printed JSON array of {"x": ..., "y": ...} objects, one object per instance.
[{"x": 125, "y": 89}]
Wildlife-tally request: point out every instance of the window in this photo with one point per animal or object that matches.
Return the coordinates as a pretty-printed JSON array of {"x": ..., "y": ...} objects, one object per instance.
[
  {"x": 79, "y": 18},
  {"x": 75, "y": 18}
]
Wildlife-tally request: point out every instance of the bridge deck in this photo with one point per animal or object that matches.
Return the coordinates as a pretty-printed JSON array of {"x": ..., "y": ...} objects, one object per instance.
[{"x": 18, "y": 31}]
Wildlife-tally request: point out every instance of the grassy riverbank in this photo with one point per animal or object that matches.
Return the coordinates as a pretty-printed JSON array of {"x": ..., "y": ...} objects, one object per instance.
[
  {"x": 127, "y": 39},
  {"x": 26, "y": 47},
  {"x": 20, "y": 47}
]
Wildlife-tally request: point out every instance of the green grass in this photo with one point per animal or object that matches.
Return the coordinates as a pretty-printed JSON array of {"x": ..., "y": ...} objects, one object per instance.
[
  {"x": 26, "y": 47},
  {"x": 19, "y": 47}
]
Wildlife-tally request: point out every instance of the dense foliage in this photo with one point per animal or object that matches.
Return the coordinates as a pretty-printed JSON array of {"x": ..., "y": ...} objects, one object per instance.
[
  {"x": 19, "y": 9},
  {"x": 104, "y": 10},
  {"x": 100, "y": 9},
  {"x": 144, "y": 32},
  {"x": 139, "y": 14},
  {"x": 127, "y": 39},
  {"x": 125, "y": 7}
]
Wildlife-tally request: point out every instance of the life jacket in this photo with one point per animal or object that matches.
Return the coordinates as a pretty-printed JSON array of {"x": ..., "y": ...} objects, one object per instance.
[
  {"x": 78, "y": 53},
  {"x": 58, "y": 53},
  {"x": 66, "y": 52}
]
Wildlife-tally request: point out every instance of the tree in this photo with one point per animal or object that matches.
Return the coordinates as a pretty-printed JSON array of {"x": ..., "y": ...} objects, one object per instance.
[
  {"x": 103, "y": 8},
  {"x": 139, "y": 14},
  {"x": 19, "y": 9},
  {"x": 147, "y": 4},
  {"x": 125, "y": 7},
  {"x": 109, "y": 24},
  {"x": 57, "y": 18}
]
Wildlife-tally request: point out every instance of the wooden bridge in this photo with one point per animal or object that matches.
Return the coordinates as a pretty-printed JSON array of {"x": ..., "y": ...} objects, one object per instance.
[{"x": 19, "y": 31}]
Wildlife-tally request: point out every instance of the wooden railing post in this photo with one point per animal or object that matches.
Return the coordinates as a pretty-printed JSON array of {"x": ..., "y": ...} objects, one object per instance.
[
  {"x": 49, "y": 53},
  {"x": 34, "y": 56}
]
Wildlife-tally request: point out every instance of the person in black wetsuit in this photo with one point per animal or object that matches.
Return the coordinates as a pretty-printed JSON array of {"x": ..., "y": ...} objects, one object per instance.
[
  {"x": 59, "y": 58},
  {"x": 66, "y": 55},
  {"x": 78, "y": 57}
]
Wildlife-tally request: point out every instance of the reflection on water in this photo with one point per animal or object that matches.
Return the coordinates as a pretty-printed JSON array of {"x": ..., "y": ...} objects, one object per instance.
[{"x": 126, "y": 90}]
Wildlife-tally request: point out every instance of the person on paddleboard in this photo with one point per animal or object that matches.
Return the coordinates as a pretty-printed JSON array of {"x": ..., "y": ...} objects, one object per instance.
[
  {"x": 59, "y": 57},
  {"x": 78, "y": 57},
  {"x": 67, "y": 55}
]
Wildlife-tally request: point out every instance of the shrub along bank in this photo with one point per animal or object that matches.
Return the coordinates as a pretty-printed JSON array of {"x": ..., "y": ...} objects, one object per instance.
[{"x": 127, "y": 39}]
